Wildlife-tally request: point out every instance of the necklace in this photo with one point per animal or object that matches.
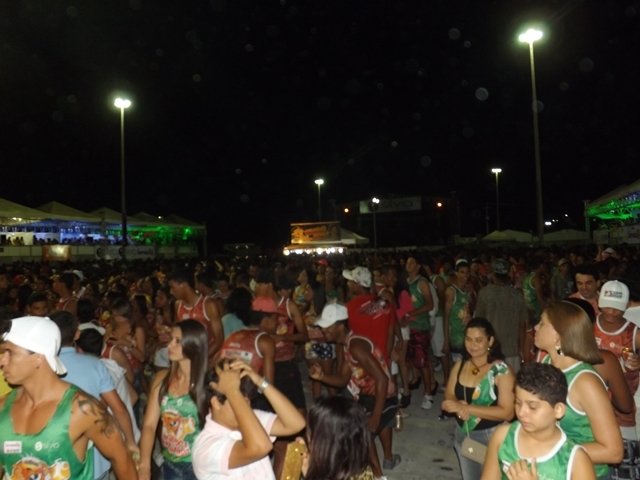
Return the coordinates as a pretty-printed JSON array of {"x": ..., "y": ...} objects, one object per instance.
[{"x": 476, "y": 368}]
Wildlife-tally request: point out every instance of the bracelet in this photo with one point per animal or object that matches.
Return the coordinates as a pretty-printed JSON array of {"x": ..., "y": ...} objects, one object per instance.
[{"x": 263, "y": 386}]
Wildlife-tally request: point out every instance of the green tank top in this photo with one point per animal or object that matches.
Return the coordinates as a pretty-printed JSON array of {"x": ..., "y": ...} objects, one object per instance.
[
  {"x": 421, "y": 321},
  {"x": 457, "y": 315},
  {"x": 46, "y": 454},
  {"x": 557, "y": 463},
  {"x": 485, "y": 394},
  {"x": 180, "y": 426},
  {"x": 576, "y": 423}
]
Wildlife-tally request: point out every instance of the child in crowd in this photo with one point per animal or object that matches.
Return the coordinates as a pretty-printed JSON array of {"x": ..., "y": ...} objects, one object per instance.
[{"x": 534, "y": 446}]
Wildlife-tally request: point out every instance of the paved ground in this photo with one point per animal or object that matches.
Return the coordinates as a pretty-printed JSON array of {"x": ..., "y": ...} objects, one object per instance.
[{"x": 425, "y": 443}]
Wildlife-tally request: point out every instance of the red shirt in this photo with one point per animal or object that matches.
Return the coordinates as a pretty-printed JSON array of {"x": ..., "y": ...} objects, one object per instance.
[
  {"x": 371, "y": 317},
  {"x": 243, "y": 344}
]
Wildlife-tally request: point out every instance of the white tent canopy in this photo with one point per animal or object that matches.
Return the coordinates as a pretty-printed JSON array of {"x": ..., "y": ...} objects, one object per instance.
[
  {"x": 508, "y": 236},
  {"x": 566, "y": 235}
]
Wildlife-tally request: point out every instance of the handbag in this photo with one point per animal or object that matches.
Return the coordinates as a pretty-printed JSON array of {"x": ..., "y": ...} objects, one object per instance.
[{"x": 470, "y": 448}]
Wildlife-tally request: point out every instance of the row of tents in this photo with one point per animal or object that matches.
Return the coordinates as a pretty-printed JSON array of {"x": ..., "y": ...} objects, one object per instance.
[
  {"x": 14, "y": 214},
  {"x": 559, "y": 236}
]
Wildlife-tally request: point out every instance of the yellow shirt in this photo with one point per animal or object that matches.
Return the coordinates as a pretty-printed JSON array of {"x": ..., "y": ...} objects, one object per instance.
[{"x": 4, "y": 387}]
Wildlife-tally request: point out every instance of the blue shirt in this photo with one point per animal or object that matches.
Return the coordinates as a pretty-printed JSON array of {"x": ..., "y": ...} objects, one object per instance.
[
  {"x": 231, "y": 323},
  {"x": 88, "y": 373}
]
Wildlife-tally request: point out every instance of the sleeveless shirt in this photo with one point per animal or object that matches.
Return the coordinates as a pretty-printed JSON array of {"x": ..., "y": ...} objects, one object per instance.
[
  {"x": 361, "y": 382},
  {"x": 179, "y": 427},
  {"x": 557, "y": 463},
  {"x": 46, "y": 454},
  {"x": 243, "y": 344},
  {"x": 620, "y": 342},
  {"x": 198, "y": 312}
]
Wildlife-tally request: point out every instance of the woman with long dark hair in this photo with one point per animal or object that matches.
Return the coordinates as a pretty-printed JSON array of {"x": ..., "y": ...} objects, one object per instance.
[
  {"x": 479, "y": 391},
  {"x": 178, "y": 400},
  {"x": 338, "y": 440}
]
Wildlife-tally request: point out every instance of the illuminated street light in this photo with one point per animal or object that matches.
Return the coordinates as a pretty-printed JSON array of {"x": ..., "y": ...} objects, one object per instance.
[
  {"x": 531, "y": 36},
  {"x": 122, "y": 104},
  {"x": 319, "y": 182},
  {"x": 375, "y": 201},
  {"x": 497, "y": 172}
]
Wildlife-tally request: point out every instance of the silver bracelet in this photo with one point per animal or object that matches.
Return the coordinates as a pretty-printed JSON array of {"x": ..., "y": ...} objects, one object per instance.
[{"x": 263, "y": 386}]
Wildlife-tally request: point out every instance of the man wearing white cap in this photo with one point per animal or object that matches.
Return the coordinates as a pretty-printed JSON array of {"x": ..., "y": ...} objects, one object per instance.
[
  {"x": 369, "y": 315},
  {"x": 47, "y": 426},
  {"x": 620, "y": 337},
  {"x": 365, "y": 373}
]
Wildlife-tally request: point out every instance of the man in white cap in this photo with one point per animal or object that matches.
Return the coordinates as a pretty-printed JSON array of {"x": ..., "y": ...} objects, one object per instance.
[
  {"x": 47, "y": 426},
  {"x": 369, "y": 315},
  {"x": 614, "y": 333},
  {"x": 365, "y": 373}
]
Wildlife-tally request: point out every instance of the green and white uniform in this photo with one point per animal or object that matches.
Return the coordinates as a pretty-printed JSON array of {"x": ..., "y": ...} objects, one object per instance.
[
  {"x": 48, "y": 454},
  {"x": 555, "y": 465},
  {"x": 421, "y": 322}
]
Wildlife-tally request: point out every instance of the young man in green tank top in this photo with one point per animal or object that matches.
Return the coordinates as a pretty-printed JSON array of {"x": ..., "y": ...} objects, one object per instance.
[
  {"x": 47, "y": 426},
  {"x": 535, "y": 446}
]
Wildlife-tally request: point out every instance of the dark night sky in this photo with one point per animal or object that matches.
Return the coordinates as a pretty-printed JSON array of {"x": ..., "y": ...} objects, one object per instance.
[{"x": 239, "y": 105}]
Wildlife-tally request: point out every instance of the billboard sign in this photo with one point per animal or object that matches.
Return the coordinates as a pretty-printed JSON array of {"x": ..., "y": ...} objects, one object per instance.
[{"x": 398, "y": 204}]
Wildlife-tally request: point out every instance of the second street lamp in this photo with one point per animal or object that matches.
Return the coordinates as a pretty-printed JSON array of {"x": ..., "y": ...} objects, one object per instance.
[
  {"x": 497, "y": 172},
  {"x": 319, "y": 182},
  {"x": 531, "y": 36},
  {"x": 122, "y": 104}
]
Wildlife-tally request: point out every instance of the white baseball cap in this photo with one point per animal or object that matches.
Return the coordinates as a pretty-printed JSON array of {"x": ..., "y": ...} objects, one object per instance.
[
  {"x": 614, "y": 294},
  {"x": 360, "y": 275},
  {"x": 332, "y": 313},
  {"x": 38, "y": 335}
]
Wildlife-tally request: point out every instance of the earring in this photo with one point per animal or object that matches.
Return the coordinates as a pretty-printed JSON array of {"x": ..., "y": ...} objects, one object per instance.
[{"x": 559, "y": 351}]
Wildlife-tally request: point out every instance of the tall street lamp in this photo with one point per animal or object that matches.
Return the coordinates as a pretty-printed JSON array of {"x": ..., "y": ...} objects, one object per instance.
[
  {"x": 531, "y": 36},
  {"x": 122, "y": 104},
  {"x": 497, "y": 172},
  {"x": 375, "y": 201},
  {"x": 319, "y": 182}
]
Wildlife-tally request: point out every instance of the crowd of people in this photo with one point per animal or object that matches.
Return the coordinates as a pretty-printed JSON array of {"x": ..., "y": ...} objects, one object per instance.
[{"x": 196, "y": 369}]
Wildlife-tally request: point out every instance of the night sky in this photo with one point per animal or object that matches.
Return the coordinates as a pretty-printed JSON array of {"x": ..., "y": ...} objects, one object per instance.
[{"x": 239, "y": 105}]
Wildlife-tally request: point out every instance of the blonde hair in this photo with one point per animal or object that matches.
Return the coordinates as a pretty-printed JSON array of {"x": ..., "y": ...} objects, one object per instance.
[{"x": 575, "y": 329}]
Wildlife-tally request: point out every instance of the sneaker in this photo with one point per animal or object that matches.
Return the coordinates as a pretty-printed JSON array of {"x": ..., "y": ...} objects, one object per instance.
[
  {"x": 390, "y": 464},
  {"x": 427, "y": 402},
  {"x": 383, "y": 477}
]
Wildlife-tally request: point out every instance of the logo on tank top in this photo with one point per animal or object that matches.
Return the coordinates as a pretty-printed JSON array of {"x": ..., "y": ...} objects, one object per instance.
[{"x": 12, "y": 446}]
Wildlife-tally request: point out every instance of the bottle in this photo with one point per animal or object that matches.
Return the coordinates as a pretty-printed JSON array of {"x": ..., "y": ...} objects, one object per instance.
[{"x": 399, "y": 420}]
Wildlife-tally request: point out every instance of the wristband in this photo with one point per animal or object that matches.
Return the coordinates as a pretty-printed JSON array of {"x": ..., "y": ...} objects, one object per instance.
[{"x": 263, "y": 386}]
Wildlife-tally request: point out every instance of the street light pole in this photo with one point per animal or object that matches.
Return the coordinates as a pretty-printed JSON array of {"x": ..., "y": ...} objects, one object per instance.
[
  {"x": 531, "y": 36},
  {"x": 497, "y": 172},
  {"x": 375, "y": 201},
  {"x": 122, "y": 104},
  {"x": 319, "y": 182}
]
